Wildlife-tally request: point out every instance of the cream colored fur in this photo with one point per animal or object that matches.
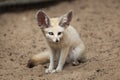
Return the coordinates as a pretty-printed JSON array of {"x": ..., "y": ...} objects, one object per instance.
[{"x": 70, "y": 46}]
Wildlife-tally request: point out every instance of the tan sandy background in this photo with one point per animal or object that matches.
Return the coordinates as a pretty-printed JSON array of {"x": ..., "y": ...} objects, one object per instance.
[{"x": 98, "y": 23}]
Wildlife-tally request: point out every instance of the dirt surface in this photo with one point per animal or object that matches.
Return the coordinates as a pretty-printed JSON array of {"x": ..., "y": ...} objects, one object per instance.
[{"x": 97, "y": 21}]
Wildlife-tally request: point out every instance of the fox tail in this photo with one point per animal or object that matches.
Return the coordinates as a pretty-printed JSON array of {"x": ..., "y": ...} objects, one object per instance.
[{"x": 40, "y": 58}]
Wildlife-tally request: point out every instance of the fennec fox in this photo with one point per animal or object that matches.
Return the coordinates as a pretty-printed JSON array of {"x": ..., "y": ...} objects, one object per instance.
[{"x": 62, "y": 38}]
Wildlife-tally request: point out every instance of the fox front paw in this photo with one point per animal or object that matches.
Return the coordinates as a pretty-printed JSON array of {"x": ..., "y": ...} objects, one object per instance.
[
  {"x": 53, "y": 71},
  {"x": 58, "y": 70},
  {"x": 48, "y": 71}
]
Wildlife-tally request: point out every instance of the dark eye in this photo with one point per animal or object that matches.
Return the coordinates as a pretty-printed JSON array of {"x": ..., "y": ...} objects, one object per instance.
[
  {"x": 59, "y": 33},
  {"x": 50, "y": 33}
]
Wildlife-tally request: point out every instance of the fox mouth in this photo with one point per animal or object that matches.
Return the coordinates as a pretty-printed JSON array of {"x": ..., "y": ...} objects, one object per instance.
[
  {"x": 57, "y": 41},
  {"x": 54, "y": 41}
]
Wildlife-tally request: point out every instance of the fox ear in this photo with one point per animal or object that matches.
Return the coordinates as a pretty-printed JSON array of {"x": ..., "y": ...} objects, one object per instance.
[
  {"x": 42, "y": 19},
  {"x": 66, "y": 19}
]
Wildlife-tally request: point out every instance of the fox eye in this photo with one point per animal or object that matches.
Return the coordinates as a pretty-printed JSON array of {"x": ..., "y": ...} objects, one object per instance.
[
  {"x": 50, "y": 33},
  {"x": 59, "y": 33}
]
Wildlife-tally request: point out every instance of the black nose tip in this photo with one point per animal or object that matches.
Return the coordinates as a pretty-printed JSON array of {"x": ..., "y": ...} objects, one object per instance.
[{"x": 57, "y": 40}]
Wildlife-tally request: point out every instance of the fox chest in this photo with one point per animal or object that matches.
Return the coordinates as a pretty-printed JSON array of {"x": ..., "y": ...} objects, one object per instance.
[{"x": 58, "y": 45}]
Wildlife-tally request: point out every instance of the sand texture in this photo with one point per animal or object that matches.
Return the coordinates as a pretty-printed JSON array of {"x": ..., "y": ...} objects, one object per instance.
[{"x": 98, "y": 23}]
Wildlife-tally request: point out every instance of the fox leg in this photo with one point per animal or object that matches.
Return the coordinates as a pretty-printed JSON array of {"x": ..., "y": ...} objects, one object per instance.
[
  {"x": 62, "y": 59},
  {"x": 51, "y": 65},
  {"x": 77, "y": 54}
]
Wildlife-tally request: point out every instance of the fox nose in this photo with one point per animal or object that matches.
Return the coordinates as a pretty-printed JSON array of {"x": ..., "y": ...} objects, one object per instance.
[{"x": 57, "y": 40}]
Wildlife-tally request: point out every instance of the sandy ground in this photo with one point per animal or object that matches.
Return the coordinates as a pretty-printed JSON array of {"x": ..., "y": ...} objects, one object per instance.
[{"x": 97, "y": 21}]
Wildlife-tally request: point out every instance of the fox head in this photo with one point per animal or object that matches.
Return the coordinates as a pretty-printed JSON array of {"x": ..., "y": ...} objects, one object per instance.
[{"x": 53, "y": 28}]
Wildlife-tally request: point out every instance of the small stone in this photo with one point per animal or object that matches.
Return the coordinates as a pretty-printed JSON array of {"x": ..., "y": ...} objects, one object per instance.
[
  {"x": 77, "y": 19},
  {"x": 5, "y": 34},
  {"x": 12, "y": 59},
  {"x": 34, "y": 46},
  {"x": 98, "y": 70}
]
